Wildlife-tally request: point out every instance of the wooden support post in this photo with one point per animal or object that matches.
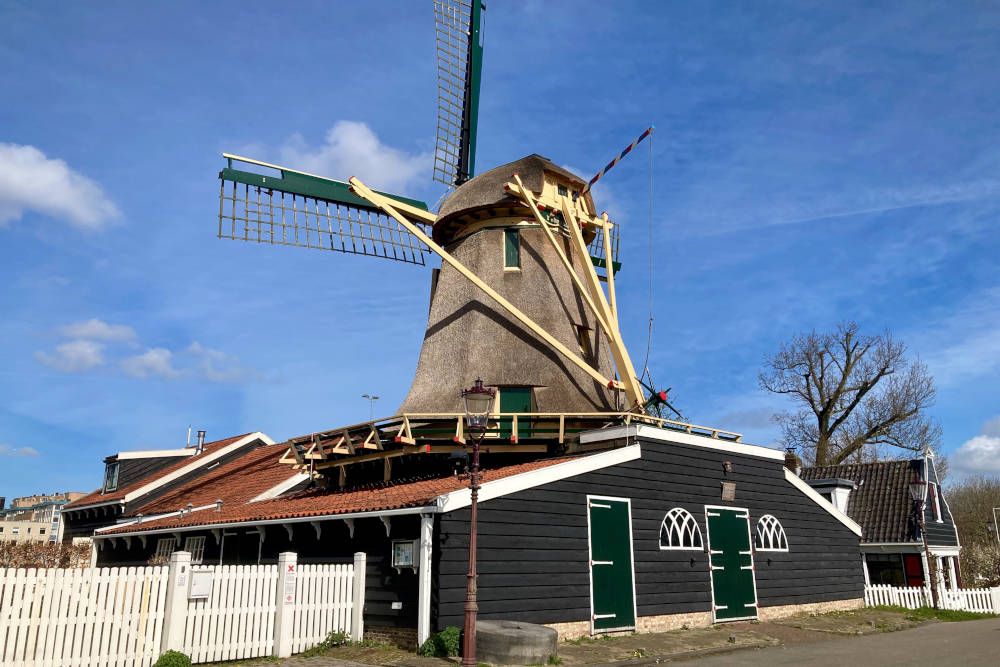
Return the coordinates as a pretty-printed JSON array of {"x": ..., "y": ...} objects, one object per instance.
[
  {"x": 424, "y": 578},
  {"x": 609, "y": 267},
  {"x": 283, "y": 618},
  {"x": 387, "y": 205},
  {"x": 175, "y": 614},
  {"x": 358, "y": 603}
]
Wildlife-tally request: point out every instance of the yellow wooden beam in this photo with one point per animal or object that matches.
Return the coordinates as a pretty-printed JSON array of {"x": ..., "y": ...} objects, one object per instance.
[
  {"x": 388, "y": 206},
  {"x": 633, "y": 390},
  {"x": 609, "y": 267}
]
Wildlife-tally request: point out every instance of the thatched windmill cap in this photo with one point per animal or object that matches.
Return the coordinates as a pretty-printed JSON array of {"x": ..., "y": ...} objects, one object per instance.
[{"x": 484, "y": 196}]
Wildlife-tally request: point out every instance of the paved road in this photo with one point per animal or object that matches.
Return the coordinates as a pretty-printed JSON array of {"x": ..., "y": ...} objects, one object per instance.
[{"x": 969, "y": 644}]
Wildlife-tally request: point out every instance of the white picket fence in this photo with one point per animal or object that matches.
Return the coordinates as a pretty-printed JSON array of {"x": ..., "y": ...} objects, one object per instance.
[
  {"x": 86, "y": 617},
  {"x": 981, "y": 600},
  {"x": 128, "y": 616}
]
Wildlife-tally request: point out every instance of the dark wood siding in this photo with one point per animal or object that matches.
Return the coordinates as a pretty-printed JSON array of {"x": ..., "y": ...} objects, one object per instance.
[
  {"x": 939, "y": 533},
  {"x": 133, "y": 470},
  {"x": 533, "y": 549}
]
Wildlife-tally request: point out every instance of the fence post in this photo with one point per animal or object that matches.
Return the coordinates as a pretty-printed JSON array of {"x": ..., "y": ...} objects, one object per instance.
[
  {"x": 285, "y": 613},
  {"x": 995, "y": 599},
  {"x": 358, "y": 611},
  {"x": 175, "y": 613}
]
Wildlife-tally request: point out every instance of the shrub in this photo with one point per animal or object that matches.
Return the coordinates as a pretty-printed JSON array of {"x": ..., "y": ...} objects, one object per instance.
[
  {"x": 43, "y": 554},
  {"x": 173, "y": 659},
  {"x": 442, "y": 645},
  {"x": 332, "y": 640}
]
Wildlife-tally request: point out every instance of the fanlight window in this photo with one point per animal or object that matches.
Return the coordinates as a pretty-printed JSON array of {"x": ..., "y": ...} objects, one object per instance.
[
  {"x": 770, "y": 535},
  {"x": 680, "y": 530}
]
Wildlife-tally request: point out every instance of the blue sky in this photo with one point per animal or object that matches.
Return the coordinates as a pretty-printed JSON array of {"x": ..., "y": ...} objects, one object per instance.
[{"x": 812, "y": 163}]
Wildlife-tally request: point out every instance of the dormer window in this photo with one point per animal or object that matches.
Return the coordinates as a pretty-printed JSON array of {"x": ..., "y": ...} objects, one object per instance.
[
  {"x": 111, "y": 477},
  {"x": 511, "y": 250},
  {"x": 563, "y": 190}
]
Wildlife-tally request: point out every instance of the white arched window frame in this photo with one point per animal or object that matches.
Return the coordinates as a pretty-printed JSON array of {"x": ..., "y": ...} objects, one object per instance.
[
  {"x": 770, "y": 535},
  {"x": 680, "y": 532}
]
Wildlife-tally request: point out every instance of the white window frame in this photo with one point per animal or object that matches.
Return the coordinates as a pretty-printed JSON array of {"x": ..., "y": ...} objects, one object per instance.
[
  {"x": 770, "y": 535},
  {"x": 681, "y": 524},
  {"x": 936, "y": 490},
  {"x": 195, "y": 545},
  {"x": 165, "y": 547},
  {"x": 108, "y": 485}
]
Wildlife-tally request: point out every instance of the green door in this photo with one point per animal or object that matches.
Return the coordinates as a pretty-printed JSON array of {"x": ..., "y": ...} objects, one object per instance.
[
  {"x": 612, "y": 590},
  {"x": 734, "y": 589},
  {"x": 518, "y": 400}
]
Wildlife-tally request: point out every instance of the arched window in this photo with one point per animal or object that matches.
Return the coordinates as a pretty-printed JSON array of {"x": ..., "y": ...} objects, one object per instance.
[
  {"x": 679, "y": 530},
  {"x": 770, "y": 535}
]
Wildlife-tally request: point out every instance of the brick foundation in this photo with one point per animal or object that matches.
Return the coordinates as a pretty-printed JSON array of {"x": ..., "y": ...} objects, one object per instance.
[{"x": 703, "y": 619}]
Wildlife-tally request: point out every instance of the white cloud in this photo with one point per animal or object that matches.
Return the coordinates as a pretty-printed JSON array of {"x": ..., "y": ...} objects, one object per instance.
[
  {"x": 978, "y": 456},
  {"x": 217, "y": 366},
  {"x": 353, "y": 149},
  {"x": 7, "y": 450},
  {"x": 94, "y": 329},
  {"x": 155, "y": 362},
  {"x": 31, "y": 181},
  {"x": 75, "y": 356}
]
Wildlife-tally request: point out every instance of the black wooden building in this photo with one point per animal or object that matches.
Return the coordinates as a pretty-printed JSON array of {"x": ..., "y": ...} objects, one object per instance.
[{"x": 651, "y": 530}]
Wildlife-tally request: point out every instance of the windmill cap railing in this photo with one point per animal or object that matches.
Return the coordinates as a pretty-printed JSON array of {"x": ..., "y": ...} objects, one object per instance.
[{"x": 512, "y": 432}]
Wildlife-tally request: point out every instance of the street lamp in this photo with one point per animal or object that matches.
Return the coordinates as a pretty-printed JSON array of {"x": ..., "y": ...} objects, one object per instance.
[
  {"x": 918, "y": 495},
  {"x": 371, "y": 405},
  {"x": 478, "y": 403}
]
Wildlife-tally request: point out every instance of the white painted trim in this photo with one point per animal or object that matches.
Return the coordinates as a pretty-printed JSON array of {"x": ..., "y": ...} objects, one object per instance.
[
  {"x": 93, "y": 505},
  {"x": 269, "y": 522},
  {"x": 281, "y": 487},
  {"x": 771, "y": 534},
  {"x": 155, "y": 453},
  {"x": 891, "y": 547},
  {"x": 944, "y": 551},
  {"x": 133, "y": 521},
  {"x": 424, "y": 579},
  {"x": 591, "y": 563},
  {"x": 677, "y": 437},
  {"x": 687, "y": 515},
  {"x": 711, "y": 568},
  {"x": 455, "y": 500},
  {"x": 801, "y": 485},
  {"x": 199, "y": 462}
]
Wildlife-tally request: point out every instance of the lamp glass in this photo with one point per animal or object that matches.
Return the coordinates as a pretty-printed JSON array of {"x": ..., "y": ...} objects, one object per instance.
[
  {"x": 478, "y": 403},
  {"x": 917, "y": 491}
]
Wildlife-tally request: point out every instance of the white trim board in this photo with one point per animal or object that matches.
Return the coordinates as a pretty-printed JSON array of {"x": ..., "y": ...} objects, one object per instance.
[
  {"x": 199, "y": 462},
  {"x": 677, "y": 437},
  {"x": 798, "y": 483},
  {"x": 456, "y": 500},
  {"x": 155, "y": 453},
  {"x": 281, "y": 487}
]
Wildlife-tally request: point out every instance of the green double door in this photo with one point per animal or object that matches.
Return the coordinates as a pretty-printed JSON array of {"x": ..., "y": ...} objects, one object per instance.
[
  {"x": 734, "y": 588},
  {"x": 612, "y": 588}
]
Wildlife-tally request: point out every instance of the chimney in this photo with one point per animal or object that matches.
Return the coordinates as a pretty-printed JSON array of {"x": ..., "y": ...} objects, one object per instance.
[
  {"x": 792, "y": 462},
  {"x": 201, "y": 442}
]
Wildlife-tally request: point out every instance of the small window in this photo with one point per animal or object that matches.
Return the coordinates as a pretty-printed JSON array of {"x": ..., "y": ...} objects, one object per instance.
[
  {"x": 164, "y": 547},
  {"x": 563, "y": 190},
  {"x": 770, "y": 535},
  {"x": 111, "y": 477},
  {"x": 41, "y": 531},
  {"x": 29, "y": 530},
  {"x": 680, "y": 531},
  {"x": 196, "y": 545},
  {"x": 511, "y": 249},
  {"x": 583, "y": 339},
  {"x": 15, "y": 531},
  {"x": 1, "y": 529}
]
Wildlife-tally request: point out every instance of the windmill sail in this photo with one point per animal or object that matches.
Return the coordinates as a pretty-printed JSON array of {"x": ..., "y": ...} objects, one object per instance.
[
  {"x": 598, "y": 255},
  {"x": 299, "y": 209},
  {"x": 460, "y": 65}
]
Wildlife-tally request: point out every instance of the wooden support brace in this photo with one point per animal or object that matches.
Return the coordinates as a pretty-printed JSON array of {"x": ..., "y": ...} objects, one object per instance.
[
  {"x": 350, "y": 527},
  {"x": 387, "y": 205}
]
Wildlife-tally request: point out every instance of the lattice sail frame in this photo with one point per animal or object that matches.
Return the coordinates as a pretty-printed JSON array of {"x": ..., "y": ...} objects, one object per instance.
[
  {"x": 459, "y": 62},
  {"x": 292, "y": 210}
]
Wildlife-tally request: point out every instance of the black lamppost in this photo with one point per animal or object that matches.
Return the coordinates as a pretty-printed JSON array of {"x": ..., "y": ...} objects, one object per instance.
[
  {"x": 918, "y": 495},
  {"x": 478, "y": 403}
]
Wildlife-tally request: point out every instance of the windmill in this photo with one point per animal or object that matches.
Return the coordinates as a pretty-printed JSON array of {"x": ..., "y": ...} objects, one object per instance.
[{"x": 520, "y": 295}]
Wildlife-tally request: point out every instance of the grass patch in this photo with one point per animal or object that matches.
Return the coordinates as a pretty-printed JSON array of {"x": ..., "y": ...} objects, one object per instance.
[{"x": 931, "y": 614}]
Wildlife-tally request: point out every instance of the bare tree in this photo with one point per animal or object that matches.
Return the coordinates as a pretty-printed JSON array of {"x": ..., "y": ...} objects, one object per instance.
[
  {"x": 855, "y": 395},
  {"x": 972, "y": 502}
]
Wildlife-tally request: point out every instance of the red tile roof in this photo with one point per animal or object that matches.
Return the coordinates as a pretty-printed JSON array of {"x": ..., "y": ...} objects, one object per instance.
[
  {"x": 319, "y": 502},
  {"x": 119, "y": 493}
]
